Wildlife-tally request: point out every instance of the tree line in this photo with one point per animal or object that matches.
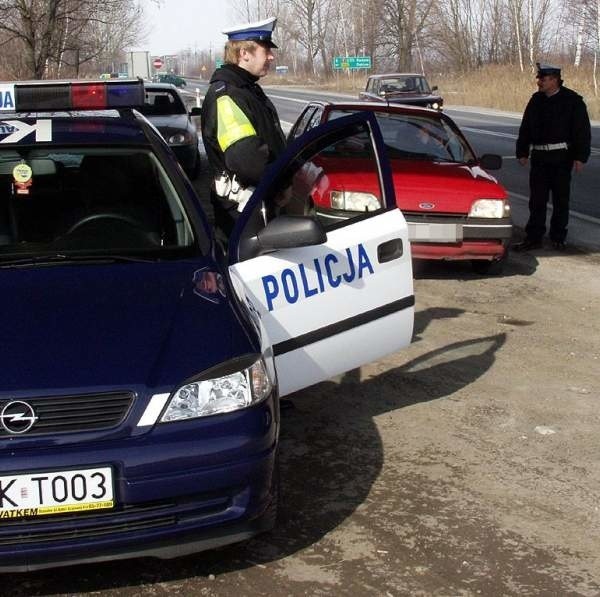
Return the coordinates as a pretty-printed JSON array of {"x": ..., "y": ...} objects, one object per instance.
[{"x": 415, "y": 35}]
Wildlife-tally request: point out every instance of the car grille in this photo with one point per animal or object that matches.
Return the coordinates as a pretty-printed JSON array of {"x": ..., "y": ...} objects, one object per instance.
[
  {"x": 419, "y": 216},
  {"x": 67, "y": 414},
  {"x": 126, "y": 519}
]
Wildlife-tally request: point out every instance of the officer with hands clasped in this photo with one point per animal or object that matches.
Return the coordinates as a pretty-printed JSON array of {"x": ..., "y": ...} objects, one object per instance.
[
  {"x": 240, "y": 126},
  {"x": 555, "y": 134}
]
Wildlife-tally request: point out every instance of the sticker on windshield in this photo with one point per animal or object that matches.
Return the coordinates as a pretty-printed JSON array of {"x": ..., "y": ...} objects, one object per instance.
[
  {"x": 7, "y": 98},
  {"x": 17, "y": 130},
  {"x": 22, "y": 175}
]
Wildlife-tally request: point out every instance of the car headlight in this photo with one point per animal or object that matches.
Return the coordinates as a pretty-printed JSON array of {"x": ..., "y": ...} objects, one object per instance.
[
  {"x": 354, "y": 201},
  {"x": 489, "y": 208},
  {"x": 435, "y": 105},
  {"x": 219, "y": 395},
  {"x": 179, "y": 139}
]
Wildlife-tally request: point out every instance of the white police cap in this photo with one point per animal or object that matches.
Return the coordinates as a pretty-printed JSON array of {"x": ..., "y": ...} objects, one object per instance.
[
  {"x": 260, "y": 31},
  {"x": 547, "y": 69}
]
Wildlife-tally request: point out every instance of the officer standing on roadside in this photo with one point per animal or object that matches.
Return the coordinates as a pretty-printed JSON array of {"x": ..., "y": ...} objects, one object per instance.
[
  {"x": 555, "y": 131},
  {"x": 240, "y": 126}
]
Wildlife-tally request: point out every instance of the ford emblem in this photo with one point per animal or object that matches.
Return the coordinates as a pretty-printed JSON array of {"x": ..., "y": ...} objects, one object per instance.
[{"x": 427, "y": 205}]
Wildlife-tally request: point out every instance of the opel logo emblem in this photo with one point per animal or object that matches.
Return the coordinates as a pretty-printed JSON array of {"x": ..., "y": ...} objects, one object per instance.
[
  {"x": 427, "y": 205},
  {"x": 17, "y": 417}
]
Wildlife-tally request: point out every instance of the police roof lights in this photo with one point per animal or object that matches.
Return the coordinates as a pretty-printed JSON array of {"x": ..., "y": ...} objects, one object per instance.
[{"x": 44, "y": 96}]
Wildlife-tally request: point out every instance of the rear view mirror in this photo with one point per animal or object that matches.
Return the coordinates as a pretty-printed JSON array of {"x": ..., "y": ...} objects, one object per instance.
[
  {"x": 434, "y": 88},
  {"x": 195, "y": 111}
]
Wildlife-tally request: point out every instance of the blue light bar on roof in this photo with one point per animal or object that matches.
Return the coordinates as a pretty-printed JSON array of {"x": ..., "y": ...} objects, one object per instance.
[{"x": 52, "y": 96}]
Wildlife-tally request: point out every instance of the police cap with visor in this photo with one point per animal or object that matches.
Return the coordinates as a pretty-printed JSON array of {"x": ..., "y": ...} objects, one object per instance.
[
  {"x": 544, "y": 70},
  {"x": 260, "y": 32}
]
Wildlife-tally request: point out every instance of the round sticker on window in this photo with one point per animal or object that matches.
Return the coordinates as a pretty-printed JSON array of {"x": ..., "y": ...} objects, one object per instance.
[{"x": 22, "y": 173}]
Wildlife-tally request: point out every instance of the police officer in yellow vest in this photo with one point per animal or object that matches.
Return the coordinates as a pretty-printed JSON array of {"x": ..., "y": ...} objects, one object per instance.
[{"x": 240, "y": 126}]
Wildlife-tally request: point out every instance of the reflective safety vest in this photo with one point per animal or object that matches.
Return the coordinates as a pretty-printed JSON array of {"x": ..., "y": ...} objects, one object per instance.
[{"x": 232, "y": 123}]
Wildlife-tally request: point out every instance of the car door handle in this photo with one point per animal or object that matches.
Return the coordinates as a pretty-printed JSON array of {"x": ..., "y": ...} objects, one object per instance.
[{"x": 390, "y": 250}]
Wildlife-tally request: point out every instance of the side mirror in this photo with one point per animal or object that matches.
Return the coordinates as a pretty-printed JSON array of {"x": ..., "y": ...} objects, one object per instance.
[
  {"x": 195, "y": 111},
  {"x": 286, "y": 232},
  {"x": 434, "y": 88},
  {"x": 490, "y": 161}
]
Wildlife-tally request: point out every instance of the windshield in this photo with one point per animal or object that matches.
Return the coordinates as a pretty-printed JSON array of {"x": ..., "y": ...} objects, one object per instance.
[
  {"x": 405, "y": 84},
  {"x": 75, "y": 201},
  {"x": 162, "y": 102},
  {"x": 412, "y": 137}
]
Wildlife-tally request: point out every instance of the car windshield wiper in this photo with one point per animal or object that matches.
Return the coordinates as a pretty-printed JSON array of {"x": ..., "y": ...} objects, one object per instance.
[{"x": 61, "y": 258}]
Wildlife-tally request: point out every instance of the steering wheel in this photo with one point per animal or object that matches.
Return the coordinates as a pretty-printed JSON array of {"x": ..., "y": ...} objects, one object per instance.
[
  {"x": 139, "y": 230},
  {"x": 124, "y": 218}
]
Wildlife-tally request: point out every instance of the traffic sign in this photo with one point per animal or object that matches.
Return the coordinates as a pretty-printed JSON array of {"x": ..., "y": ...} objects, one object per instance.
[
  {"x": 351, "y": 62},
  {"x": 157, "y": 63},
  {"x": 218, "y": 62}
]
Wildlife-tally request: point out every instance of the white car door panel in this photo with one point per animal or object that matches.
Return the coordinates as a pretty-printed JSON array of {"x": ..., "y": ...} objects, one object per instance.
[{"x": 328, "y": 308}]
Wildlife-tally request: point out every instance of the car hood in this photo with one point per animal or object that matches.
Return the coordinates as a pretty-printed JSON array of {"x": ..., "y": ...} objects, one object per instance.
[
  {"x": 101, "y": 327},
  {"x": 420, "y": 186}
]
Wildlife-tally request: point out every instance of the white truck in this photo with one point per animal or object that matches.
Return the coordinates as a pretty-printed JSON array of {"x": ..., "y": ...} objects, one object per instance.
[{"x": 139, "y": 64}]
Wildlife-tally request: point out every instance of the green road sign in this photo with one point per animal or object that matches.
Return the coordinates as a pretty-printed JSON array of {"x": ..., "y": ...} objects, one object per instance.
[
  {"x": 218, "y": 62},
  {"x": 351, "y": 62}
]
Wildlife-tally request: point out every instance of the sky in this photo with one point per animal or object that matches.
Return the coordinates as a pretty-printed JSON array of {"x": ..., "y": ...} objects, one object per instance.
[{"x": 180, "y": 24}]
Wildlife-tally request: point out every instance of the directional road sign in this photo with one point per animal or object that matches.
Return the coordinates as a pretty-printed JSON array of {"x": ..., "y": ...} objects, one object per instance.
[{"x": 351, "y": 62}]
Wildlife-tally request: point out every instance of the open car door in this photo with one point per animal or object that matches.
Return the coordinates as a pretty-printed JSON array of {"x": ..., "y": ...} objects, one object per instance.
[{"x": 327, "y": 298}]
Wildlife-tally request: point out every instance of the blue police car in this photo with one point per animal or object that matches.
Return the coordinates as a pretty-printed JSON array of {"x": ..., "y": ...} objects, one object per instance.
[{"x": 141, "y": 365}]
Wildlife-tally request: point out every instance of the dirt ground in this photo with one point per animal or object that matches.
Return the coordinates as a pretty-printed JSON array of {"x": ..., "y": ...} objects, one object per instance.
[{"x": 467, "y": 464}]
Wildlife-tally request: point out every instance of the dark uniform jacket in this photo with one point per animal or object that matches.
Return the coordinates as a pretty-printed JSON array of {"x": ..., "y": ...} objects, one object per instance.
[
  {"x": 559, "y": 118},
  {"x": 240, "y": 143}
]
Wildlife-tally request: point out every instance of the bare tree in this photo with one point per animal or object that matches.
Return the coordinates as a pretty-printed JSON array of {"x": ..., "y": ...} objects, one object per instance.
[
  {"x": 66, "y": 32},
  {"x": 403, "y": 22}
]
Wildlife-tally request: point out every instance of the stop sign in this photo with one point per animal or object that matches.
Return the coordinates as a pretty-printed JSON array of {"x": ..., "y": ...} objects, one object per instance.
[{"x": 157, "y": 63}]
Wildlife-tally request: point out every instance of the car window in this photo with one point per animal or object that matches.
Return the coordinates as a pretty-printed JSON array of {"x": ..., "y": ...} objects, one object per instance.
[
  {"x": 318, "y": 180},
  {"x": 315, "y": 119},
  {"x": 302, "y": 122},
  {"x": 413, "y": 137},
  {"x": 162, "y": 102},
  {"x": 405, "y": 84},
  {"x": 73, "y": 200}
]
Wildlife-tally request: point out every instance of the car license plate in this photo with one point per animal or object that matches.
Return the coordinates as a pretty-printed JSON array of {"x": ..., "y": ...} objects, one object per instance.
[
  {"x": 434, "y": 233},
  {"x": 40, "y": 494}
]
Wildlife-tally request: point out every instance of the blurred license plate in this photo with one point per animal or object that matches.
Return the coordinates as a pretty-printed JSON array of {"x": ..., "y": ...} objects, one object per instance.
[
  {"x": 40, "y": 494},
  {"x": 435, "y": 233}
]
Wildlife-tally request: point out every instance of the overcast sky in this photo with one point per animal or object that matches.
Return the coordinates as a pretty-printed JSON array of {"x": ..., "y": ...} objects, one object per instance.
[{"x": 179, "y": 24}]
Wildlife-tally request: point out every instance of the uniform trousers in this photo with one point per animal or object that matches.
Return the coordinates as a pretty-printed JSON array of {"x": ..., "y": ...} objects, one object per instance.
[{"x": 546, "y": 178}]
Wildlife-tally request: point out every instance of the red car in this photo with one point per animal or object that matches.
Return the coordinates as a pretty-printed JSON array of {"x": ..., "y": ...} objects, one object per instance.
[{"x": 453, "y": 207}]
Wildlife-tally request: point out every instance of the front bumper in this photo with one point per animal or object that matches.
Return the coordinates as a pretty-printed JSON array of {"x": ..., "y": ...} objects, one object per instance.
[
  {"x": 181, "y": 488},
  {"x": 458, "y": 238}
]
